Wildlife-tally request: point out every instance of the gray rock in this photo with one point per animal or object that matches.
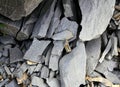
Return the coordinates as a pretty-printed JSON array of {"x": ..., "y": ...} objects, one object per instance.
[
  {"x": 36, "y": 49},
  {"x": 16, "y": 9},
  {"x": 104, "y": 39},
  {"x": 53, "y": 82},
  {"x": 55, "y": 20},
  {"x": 93, "y": 50},
  {"x": 13, "y": 83},
  {"x": 7, "y": 70},
  {"x": 73, "y": 67},
  {"x": 107, "y": 49},
  {"x": 5, "y": 52},
  {"x": 42, "y": 25},
  {"x": 38, "y": 68},
  {"x": 10, "y": 27},
  {"x": 31, "y": 69},
  {"x": 38, "y": 82},
  {"x": 95, "y": 18},
  {"x": 7, "y": 40},
  {"x": 65, "y": 24},
  {"x": 44, "y": 72},
  {"x": 4, "y": 82},
  {"x": 56, "y": 54},
  {"x": 15, "y": 55}
]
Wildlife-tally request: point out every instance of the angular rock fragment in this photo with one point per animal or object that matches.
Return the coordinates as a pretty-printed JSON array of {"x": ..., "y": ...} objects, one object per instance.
[
  {"x": 5, "y": 52},
  {"x": 15, "y": 55},
  {"x": 31, "y": 69},
  {"x": 44, "y": 72},
  {"x": 16, "y": 9},
  {"x": 42, "y": 25},
  {"x": 93, "y": 50},
  {"x": 36, "y": 49},
  {"x": 56, "y": 54},
  {"x": 4, "y": 82},
  {"x": 13, "y": 83},
  {"x": 36, "y": 81},
  {"x": 38, "y": 68},
  {"x": 55, "y": 20},
  {"x": 95, "y": 18},
  {"x": 73, "y": 67},
  {"x": 7, "y": 70},
  {"x": 107, "y": 49},
  {"x": 65, "y": 26}
]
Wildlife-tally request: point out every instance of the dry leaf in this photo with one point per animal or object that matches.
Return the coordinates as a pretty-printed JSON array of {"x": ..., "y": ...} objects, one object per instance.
[
  {"x": 117, "y": 7},
  {"x": 23, "y": 78},
  {"x": 31, "y": 63},
  {"x": 101, "y": 80},
  {"x": 1, "y": 78},
  {"x": 67, "y": 46}
]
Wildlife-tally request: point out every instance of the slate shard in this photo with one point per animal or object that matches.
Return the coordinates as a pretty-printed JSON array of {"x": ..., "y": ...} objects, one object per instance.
[
  {"x": 73, "y": 67},
  {"x": 95, "y": 18},
  {"x": 36, "y": 49}
]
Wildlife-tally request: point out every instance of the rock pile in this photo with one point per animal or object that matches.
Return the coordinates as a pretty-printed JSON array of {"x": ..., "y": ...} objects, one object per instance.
[{"x": 59, "y": 43}]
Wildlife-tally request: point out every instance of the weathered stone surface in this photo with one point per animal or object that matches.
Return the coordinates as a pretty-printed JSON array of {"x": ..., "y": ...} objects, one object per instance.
[
  {"x": 36, "y": 81},
  {"x": 93, "y": 50},
  {"x": 56, "y": 54},
  {"x": 15, "y": 55},
  {"x": 42, "y": 25},
  {"x": 13, "y": 83},
  {"x": 73, "y": 67},
  {"x": 36, "y": 49},
  {"x": 53, "y": 82},
  {"x": 16, "y": 9},
  {"x": 95, "y": 18}
]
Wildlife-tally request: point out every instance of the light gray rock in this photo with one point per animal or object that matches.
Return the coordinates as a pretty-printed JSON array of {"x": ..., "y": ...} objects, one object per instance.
[
  {"x": 73, "y": 67},
  {"x": 36, "y": 81},
  {"x": 16, "y": 9},
  {"x": 44, "y": 72},
  {"x": 36, "y": 49},
  {"x": 65, "y": 24},
  {"x": 93, "y": 50},
  {"x": 105, "y": 52},
  {"x": 15, "y": 55},
  {"x": 43, "y": 23},
  {"x": 95, "y": 17},
  {"x": 53, "y": 82},
  {"x": 38, "y": 68},
  {"x": 56, "y": 54},
  {"x": 31, "y": 69},
  {"x": 55, "y": 20},
  {"x": 13, "y": 83}
]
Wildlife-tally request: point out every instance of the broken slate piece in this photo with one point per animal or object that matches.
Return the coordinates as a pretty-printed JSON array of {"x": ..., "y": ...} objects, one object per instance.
[
  {"x": 15, "y": 55},
  {"x": 107, "y": 49},
  {"x": 55, "y": 20},
  {"x": 95, "y": 18},
  {"x": 38, "y": 68},
  {"x": 36, "y": 81},
  {"x": 56, "y": 54},
  {"x": 13, "y": 83},
  {"x": 42, "y": 25},
  {"x": 36, "y": 49},
  {"x": 65, "y": 24},
  {"x": 73, "y": 67},
  {"x": 93, "y": 50},
  {"x": 44, "y": 72}
]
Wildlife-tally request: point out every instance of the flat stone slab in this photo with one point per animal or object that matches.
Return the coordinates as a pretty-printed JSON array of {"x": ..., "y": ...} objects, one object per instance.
[{"x": 95, "y": 18}]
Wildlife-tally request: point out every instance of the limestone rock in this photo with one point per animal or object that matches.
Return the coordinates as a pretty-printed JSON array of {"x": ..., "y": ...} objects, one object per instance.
[{"x": 95, "y": 17}]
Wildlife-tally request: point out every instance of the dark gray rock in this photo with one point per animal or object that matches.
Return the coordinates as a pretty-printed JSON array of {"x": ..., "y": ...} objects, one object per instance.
[
  {"x": 4, "y": 82},
  {"x": 95, "y": 18},
  {"x": 5, "y": 52},
  {"x": 93, "y": 50},
  {"x": 15, "y": 55},
  {"x": 16, "y": 9},
  {"x": 73, "y": 67},
  {"x": 36, "y": 49},
  {"x": 43, "y": 23},
  {"x": 56, "y": 54}
]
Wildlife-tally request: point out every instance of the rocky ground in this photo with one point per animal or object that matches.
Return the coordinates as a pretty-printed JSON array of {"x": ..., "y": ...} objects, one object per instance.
[{"x": 59, "y": 43}]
